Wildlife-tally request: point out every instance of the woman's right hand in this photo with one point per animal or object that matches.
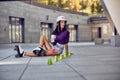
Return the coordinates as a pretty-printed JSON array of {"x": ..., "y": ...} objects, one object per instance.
[{"x": 53, "y": 38}]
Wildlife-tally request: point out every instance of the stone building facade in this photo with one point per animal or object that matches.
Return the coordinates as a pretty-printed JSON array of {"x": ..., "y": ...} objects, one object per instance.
[{"x": 25, "y": 22}]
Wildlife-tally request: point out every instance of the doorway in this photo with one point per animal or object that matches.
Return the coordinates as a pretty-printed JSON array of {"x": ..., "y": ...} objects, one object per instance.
[
  {"x": 16, "y": 29},
  {"x": 73, "y": 33},
  {"x": 46, "y": 29}
]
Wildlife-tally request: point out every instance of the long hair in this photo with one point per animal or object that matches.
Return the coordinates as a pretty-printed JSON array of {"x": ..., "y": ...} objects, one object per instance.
[{"x": 58, "y": 28}]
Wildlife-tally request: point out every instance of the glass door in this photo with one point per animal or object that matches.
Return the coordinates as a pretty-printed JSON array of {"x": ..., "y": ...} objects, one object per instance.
[
  {"x": 46, "y": 30},
  {"x": 73, "y": 33},
  {"x": 16, "y": 30}
]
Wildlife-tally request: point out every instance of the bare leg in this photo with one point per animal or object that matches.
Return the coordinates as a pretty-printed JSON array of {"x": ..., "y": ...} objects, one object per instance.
[
  {"x": 30, "y": 54},
  {"x": 50, "y": 53},
  {"x": 43, "y": 42}
]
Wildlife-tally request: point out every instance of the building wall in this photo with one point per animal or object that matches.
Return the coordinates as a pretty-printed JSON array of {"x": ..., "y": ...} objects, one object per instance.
[
  {"x": 112, "y": 11},
  {"x": 4, "y": 31},
  {"x": 84, "y": 34},
  {"x": 33, "y": 16},
  {"x": 106, "y": 31}
]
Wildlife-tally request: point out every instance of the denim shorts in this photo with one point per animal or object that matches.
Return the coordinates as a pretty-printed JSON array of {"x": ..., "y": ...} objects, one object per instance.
[{"x": 58, "y": 47}]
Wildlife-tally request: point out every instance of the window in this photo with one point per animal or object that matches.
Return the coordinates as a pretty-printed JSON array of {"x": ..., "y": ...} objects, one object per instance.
[
  {"x": 46, "y": 30},
  {"x": 72, "y": 29},
  {"x": 16, "y": 29}
]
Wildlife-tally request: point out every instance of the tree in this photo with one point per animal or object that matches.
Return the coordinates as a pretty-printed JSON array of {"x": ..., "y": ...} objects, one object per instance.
[
  {"x": 72, "y": 5},
  {"x": 61, "y": 4},
  {"x": 69, "y": 4},
  {"x": 42, "y": 1},
  {"x": 92, "y": 8},
  {"x": 51, "y": 2},
  {"x": 99, "y": 8},
  {"x": 83, "y": 5}
]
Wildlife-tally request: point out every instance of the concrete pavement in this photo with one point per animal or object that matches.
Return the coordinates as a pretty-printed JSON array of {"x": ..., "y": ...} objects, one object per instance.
[{"x": 88, "y": 62}]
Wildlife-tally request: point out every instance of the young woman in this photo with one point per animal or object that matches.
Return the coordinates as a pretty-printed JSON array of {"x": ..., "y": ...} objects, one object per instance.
[{"x": 59, "y": 40}]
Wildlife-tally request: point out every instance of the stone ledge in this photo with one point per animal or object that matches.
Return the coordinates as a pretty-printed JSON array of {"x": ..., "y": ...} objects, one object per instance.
[
  {"x": 99, "y": 41},
  {"x": 115, "y": 41}
]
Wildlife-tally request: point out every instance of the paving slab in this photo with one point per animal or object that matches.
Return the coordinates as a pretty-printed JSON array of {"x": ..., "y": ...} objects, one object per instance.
[
  {"x": 11, "y": 72},
  {"x": 12, "y": 68},
  {"x": 51, "y": 72},
  {"x": 88, "y": 62}
]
